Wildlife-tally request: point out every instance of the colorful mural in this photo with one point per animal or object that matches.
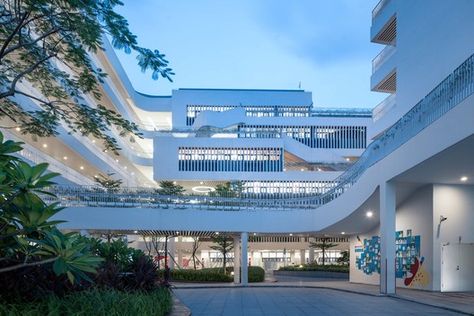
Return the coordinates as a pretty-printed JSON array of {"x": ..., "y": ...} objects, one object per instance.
[{"x": 408, "y": 262}]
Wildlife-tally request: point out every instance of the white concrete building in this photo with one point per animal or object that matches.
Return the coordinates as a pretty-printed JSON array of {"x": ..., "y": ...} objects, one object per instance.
[{"x": 399, "y": 183}]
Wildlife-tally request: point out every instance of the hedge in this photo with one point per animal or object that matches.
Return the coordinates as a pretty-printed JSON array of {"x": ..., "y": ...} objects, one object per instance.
[
  {"x": 256, "y": 274},
  {"x": 315, "y": 267}
]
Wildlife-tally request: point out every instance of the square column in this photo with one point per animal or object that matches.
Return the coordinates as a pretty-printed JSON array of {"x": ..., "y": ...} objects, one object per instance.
[
  {"x": 244, "y": 274},
  {"x": 171, "y": 252},
  {"x": 302, "y": 256},
  {"x": 237, "y": 264},
  {"x": 311, "y": 255},
  {"x": 387, "y": 238}
]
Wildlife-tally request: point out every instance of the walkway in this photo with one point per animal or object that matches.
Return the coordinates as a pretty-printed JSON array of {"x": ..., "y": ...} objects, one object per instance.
[
  {"x": 463, "y": 302},
  {"x": 276, "y": 301}
]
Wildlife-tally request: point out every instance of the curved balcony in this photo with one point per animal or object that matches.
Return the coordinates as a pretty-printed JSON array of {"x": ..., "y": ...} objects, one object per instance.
[{"x": 448, "y": 94}]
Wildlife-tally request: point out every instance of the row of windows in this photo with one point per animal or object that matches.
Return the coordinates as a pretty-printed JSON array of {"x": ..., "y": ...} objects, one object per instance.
[
  {"x": 230, "y": 159},
  {"x": 279, "y": 187},
  {"x": 255, "y": 111},
  {"x": 312, "y": 136},
  {"x": 290, "y": 239}
]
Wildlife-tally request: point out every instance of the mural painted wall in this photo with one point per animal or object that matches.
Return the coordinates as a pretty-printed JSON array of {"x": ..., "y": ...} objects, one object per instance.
[{"x": 408, "y": 260}]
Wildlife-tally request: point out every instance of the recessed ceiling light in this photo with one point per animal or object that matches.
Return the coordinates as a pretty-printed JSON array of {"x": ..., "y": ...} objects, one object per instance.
[
  {"x": 45, "y": 145},
  {"x": 125, "y": 167},
  {"x": 135, "y": 231},
  {"x": 217, "y": 233},
  {"x": 369, "y": 214},
  {"x": 81, "y": 167},
  {"x": 96, "y": 176},
  {"x": 302, "y": 169},
  {"x": 93, "y": 141},
  {"x": 174, "y": 182},
  {"x": 201, "y": 182},
  {"x": 343, "y": 233},
  {"x": 116, "y": 160},
  {"x": 348, "y": 159},
  {"x": 291, "y": 234},
  {"x": 105, "y": 150},
  {"x": 177, "y": 233},
  {"x": 319, "y": 169},
  {"x": 464, "y": 179},
  {"x": 17, "y": 129},
  {"x": 65, "y": 157},
  {"x": 255, "y": 234}
]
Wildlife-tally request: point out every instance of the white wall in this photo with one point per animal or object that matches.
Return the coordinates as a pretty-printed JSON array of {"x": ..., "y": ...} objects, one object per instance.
[
  {"x": 456, "y": 202},
  {"x": 414, "y": 213}
]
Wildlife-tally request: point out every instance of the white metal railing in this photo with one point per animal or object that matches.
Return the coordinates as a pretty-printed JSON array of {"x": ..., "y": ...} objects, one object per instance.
[
  {"x": 378, "y": 8},
  {"x": 384, "y": 107},
  {"x": 378, "y": 61},
  {"x": 449, "y": 93}
]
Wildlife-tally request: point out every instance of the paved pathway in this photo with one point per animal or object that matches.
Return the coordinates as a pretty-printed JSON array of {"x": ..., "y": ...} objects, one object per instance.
[
  {"x": 463, "y": 302},
  {"x": 277, "y": 301}
]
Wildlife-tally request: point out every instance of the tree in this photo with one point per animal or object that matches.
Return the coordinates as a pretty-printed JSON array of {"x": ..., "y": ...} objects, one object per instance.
[
  {"x": 107, "y": 182},
  {"x": 344, "y": 258},
  {"x": 28, "y": 236},
  {"x": 195, "y": 247},
  {"x": 170, "y": 188},
  {"x": 323, "y": 244},
  {"x": 228, "y": 189},
  {"x": 225, "y": 244},
  {"x": 46, "y": 49}
]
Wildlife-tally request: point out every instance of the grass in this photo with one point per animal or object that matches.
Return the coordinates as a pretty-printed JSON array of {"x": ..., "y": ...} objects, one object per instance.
[{"x": 97, "y": 303}]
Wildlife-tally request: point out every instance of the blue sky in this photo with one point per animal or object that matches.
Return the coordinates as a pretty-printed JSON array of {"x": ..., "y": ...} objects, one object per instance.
[{"x": 259, "y": 44}]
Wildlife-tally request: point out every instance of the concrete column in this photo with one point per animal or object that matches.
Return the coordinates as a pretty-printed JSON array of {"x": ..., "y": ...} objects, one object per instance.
[
  {"x": 311, "y": 255},
  {"x": 244, "y": 274},
  {"x": 171, "y": 252},
  {"x": 179, "y": 250},
  {"x": 302, "y": 256},
  {"x": 237, "y": 264},
  {"x": 387, "y": 238}
]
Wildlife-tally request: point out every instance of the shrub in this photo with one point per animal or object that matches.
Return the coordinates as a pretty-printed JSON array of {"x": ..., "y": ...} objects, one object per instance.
[
  {"x": 256, "y": 274},
  {"x": 96, "y": 302},
  {"x": 204, "y": 275},
  {"x": 316, "y": 267}
]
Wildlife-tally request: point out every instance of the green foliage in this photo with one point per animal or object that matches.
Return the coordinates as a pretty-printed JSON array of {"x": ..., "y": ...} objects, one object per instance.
[
  {"x": 224, "y": 244},
  {"x": 199, "y": 275},
  {"x": 107, "y": 182},
  {"x": 169, "y": 188},
  {"x": 96, "y": 302},
  {"x": 316, "y": 267},
  {"x": 228, "y": 189},
  {"x": 48, "y": 44},
  {"x": 27, "y": 235},
  {"x": 256, "y": 274},
  {"x": 124, "y": 268},
  {"x": 344, "y": 259},
  {"x": 324, "y": 245}
]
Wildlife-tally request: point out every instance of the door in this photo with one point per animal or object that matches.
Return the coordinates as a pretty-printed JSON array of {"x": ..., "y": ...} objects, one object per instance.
[{"x": 457, "y": 268}]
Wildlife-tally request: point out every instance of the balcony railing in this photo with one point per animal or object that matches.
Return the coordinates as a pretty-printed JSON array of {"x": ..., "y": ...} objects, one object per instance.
[
  {"x": 383, "y": 107},
  {"x": 382, "y": 57},
  {"x": 449, "y": 93},
  {"x": 378, "y": 8}
]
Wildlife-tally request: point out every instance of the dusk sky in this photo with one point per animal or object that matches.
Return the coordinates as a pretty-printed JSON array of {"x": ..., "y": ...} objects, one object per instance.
[{"x": 259, "y": 44}]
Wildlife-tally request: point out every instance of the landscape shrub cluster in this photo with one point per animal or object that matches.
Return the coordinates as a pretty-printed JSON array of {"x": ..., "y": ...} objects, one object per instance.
[
  {"x": 255, "y": 274},
  {"x": 317, "y": 267},
  {"x": 44, "y": 269}
]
